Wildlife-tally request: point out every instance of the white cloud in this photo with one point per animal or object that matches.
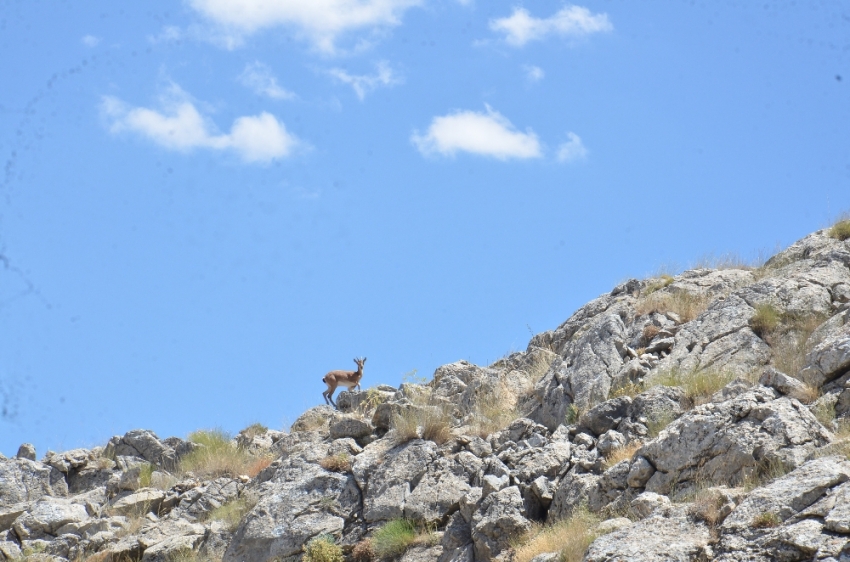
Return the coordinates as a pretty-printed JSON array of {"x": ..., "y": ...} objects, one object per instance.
[
  {"x": 366, "y": 83},
  {"x": 169, "y": 34},
  {"x": 90, "y": 41},
  {"x": 571, "y": 21},
  {"x": 319, "y": 21},
  {"x": 486, "y": 134},
  {"x": 572, "y": 150},
  {"x": 259, "y": 78},
  {"x": 180, "y": 126},
  {"x": 533, "y": 73}
]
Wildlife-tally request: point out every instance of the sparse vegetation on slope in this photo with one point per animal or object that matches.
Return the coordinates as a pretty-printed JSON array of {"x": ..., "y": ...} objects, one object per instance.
[
  {"x": 685, "y": 305},
  {"x": 840, "y": 230},
  {"x": 219, "y": 456},
  {"x": 569, "y": 537}
]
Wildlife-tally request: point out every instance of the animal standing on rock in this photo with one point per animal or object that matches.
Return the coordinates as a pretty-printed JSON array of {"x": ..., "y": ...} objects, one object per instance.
[{"x": 348, "y": 379}]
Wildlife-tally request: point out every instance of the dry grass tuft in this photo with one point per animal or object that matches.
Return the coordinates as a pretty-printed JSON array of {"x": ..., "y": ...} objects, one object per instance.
[
  {"x": 841, "y": 230},
  {"x": 425, "y": 419},
  {"x": 630, "y": 389},
  {"x": 686, "y": 305},
  {"x": 790, "y": 341},
  {"x": 623, "y": 453},
  {"x": 570, "y": 537},
  {"x": 663, "y": 280},
  {"x": 649, "y": 332},
  {"x": 765, "y": 320},
  {"x": 727, "y": 261},
  {"x": 217, "y": 456},
  {"x": 698, "y": 385},
  {"x": 364, "y": 551},
  {"x": 495, "y": 409},
  {"x": 337, "y": 463},
  {"x": 706, "y": 506}
]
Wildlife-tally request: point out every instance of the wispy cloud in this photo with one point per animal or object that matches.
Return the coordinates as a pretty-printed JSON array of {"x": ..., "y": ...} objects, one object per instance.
[
  {"x": 533, "y": 73},
  {"x": 365, "y": 83},
  {"x": 571, "y": 21},
  {"x": 90, "y": 40},
  {"x": 487, "y": 134},
  {"x": 572, "y": 150},
  {"x": 178, "y": 125},
  {"x": 321, "y": 22},
  {"x": 259, "y": 78},
  {"x": 169, "y": 34}
]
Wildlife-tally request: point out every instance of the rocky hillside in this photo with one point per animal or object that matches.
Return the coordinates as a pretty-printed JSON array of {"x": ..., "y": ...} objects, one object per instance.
[{"x": 690, "y": 417}]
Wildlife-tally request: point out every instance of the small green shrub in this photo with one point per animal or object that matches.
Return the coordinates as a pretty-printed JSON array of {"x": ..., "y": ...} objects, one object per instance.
[
  {"x": 573, "y": 414},
  {"x": 766, "y": 520},
  {"x": 145, "y": 475},
  {"x": 765, "y": 320},
  {"x": 322, "y": 549},
  {"x": 623, "y": 453},
  {"x": 232, "y": 513},
  {"x": 840, "y": 230},
  {"x": 393, "y": 538}
]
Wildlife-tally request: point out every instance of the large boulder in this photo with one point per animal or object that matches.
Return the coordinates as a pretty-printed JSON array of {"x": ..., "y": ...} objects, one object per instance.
[
  {"x": 829, "y": 359},
  {"x": 669, "y": 534},
  {"x": 498, "y": 521},
  {"x": 390, "y": 484},
  {"x": 731, "y": 441},
  {"x": 25, "y": 480},
  {"x": 144, "y": 444},
  {"x": 800, "y": 516},
  {"x": 47, "y": 516}
]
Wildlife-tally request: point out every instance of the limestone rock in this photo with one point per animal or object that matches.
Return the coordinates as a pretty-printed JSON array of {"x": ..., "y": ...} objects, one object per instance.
[
  {"x": 350, "y": 427},
  {"x": 26, "y": 480},
  {"x": 726, "y": 442},
  {"x": 497, "y": 520},
  {"x": 668, "y": 535},
  {"x": 26, "y": 451},
  {"x": 392, "y": 481},
  {"x": 829, "y": 359},
  {"x": 145, "y": 444},
  {"x": 46, "y": 516}
]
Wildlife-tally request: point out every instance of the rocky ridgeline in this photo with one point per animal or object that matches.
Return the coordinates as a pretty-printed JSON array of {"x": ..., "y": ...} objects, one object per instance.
[{"x": 699, "y": 417}]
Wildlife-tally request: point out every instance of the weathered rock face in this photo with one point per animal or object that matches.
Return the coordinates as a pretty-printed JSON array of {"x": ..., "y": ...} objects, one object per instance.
[
  {"x": 669, "y": 534},
  {"x": 26, "y": 480},
  {"x": 728, "y": 442},
  {"x": 593, "y": 431}
]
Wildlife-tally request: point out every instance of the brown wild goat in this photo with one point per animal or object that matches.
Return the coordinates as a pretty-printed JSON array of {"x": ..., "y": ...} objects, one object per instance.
[{"x": 348, "y": 379}]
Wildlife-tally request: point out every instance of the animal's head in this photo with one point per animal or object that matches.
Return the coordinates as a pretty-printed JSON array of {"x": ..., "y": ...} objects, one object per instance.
[{"x": 360, "y": 362}]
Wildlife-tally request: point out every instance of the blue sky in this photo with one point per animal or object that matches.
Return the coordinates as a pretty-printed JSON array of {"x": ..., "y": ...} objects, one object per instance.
[{"x": 205, "y": 205}]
